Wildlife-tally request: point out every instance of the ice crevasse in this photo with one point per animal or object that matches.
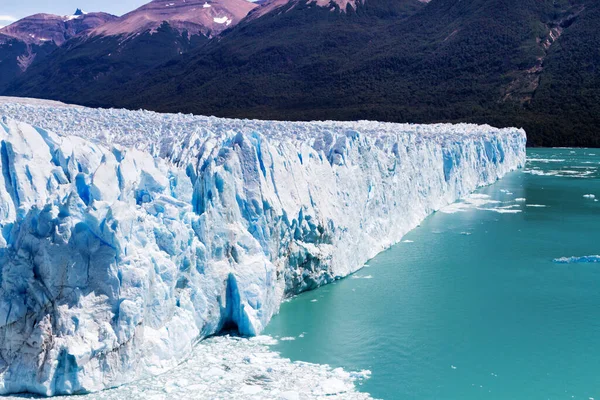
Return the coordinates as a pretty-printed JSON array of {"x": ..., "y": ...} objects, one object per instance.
[{"x": 128, "y": 236}]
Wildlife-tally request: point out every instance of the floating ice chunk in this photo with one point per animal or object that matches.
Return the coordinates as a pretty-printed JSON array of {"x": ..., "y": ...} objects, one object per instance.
[
  {"x": 407, "y": 241},
  {"x": 287, "y": 338},
  {"x": 333, "y": 386},
  {"x": 475, "y": 200},
  {"x": 456, "y": 207},
  {"x": 536, "y": 205},
  {"x": 535, "y": 172},
  {"x": 545, "y": 160},
  {"x": 577, "y": 260},
  {"x": 589, "y": 196},
  {"x": 578, "y": 172},
  {"x": 501, "y": 210},
  {"x": 520, "y": 200}
]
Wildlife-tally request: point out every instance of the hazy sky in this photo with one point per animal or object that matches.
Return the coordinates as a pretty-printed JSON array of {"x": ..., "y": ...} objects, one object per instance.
[{"x": 11, "y": 10}]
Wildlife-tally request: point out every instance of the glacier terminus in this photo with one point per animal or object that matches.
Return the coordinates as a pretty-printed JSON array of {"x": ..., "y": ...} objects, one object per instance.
[{"x": 128, "y": 236}]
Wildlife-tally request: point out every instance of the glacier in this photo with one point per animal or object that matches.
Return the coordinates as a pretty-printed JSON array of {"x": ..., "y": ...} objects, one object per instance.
[{"x": 129, "y": 236}]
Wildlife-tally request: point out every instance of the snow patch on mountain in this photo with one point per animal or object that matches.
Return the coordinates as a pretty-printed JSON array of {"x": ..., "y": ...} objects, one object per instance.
[
  {"x": 40, "y": 28},
  {"x": 127, "y": 236},
  {"x": 222, "y": 20},
  {"x": 191, "y": 16},
  {"x": 78, "y": 13}
]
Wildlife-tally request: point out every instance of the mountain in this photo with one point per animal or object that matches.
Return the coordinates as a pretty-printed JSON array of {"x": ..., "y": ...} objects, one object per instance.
[
  {"x": 526, "y": 63},
  {"x": 81, "y": 72},
  {"x": 565, "y": 109},
  {"x": 208, "y": 18},
  {"x": 127, "y": 47},
  {"x": 41, "y": 28},
  {"x": 33, "y": 38}
]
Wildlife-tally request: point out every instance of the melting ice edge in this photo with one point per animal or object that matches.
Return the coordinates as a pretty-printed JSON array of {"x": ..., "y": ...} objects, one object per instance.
[{"x": 127, "y": 236}]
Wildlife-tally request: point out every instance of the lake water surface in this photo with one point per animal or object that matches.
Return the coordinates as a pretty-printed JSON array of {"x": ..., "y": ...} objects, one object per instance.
[
  {"x": 482, "y": 301},
  {"x": 474, "y": 304}
]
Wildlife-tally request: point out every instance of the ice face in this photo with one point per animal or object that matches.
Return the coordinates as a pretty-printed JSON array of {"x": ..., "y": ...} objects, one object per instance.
[{"x": 127, "y": 236}]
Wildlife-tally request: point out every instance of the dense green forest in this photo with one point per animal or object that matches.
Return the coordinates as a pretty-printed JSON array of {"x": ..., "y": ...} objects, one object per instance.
[
  {"x": 525, "y": 63},
  {"x": 86, "y": 67}
]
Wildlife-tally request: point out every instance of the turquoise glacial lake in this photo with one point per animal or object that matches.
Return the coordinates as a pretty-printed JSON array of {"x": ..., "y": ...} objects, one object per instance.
[{"x": 476, "y": 303}]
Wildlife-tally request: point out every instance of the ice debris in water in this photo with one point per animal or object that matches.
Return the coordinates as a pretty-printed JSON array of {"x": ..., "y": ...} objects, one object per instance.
[
  {"x": 482, "y": 202},
  {"x": 589, "y": 196},
  {"x": 356, "y": 276},
  {"x": 577, "y": 260},
  {"x": 470, "y": 201},
  {"x": 545, "y": 160},
  {"x": 231, "y": 368},
  {"x": 127, "y": 236},
  {"x": 563, "y": 173}
]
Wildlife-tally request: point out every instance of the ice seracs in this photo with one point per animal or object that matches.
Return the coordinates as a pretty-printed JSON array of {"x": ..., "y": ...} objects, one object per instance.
[{"x": 127, "y": 236}]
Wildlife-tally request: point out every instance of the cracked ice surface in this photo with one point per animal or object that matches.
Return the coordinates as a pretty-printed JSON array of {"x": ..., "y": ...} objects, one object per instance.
[
  {"x": 127, "y": 236},
  {"x": 231, "y": 368}
]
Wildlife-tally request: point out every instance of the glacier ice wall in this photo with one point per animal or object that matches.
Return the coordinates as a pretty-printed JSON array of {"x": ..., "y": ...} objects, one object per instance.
[{"x": 128, "y": 236}]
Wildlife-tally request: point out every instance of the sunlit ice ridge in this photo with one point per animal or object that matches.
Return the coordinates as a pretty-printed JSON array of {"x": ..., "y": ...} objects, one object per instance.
[{"x": 128, "y": 236}]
